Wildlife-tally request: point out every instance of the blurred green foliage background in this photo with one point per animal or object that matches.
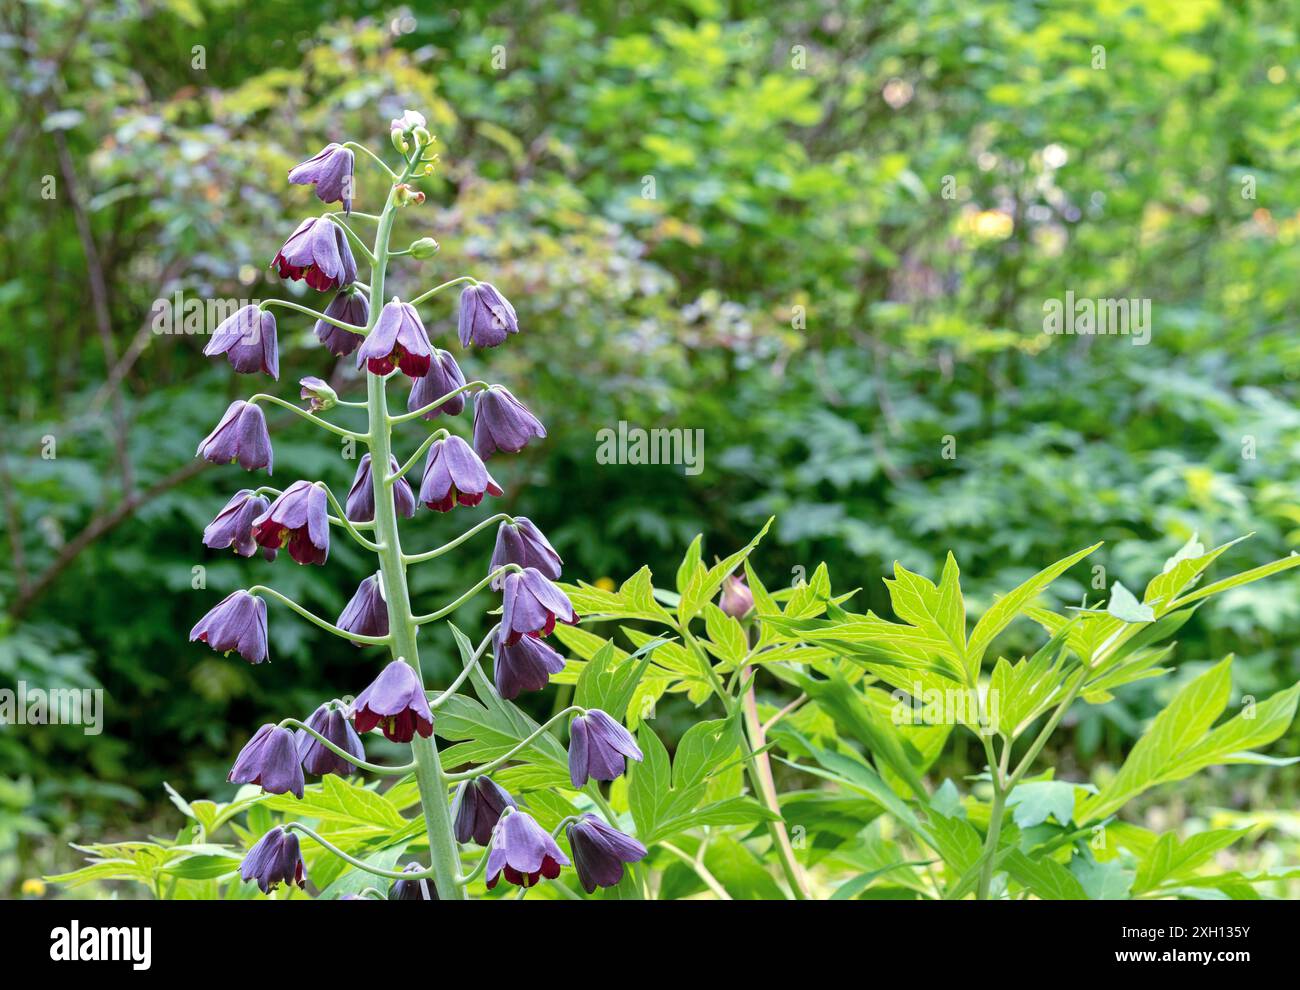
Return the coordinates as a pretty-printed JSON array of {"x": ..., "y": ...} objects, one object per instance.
[{"x": 821, "y": 232}]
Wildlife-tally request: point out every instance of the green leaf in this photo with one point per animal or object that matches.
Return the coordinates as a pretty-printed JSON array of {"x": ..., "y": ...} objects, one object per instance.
[
  {"x": 703, "y": 748},
  {"x": 1179, "y": 741},
  {"x": 1228, "y": 743},
  {"x": 689, "y": 563},
  {"x": 852, "y": 888},
  {"x": 1108, "y": 881},
  {"x": 1126, "y": 608},
  {"x": 204, "y": 867},
  {"x": 1180, "y": 571},
  {"x": 1172, "y": 859},
  {"x": 1006, "y": 608},
  {"x": 938, "y": 611},
  {"x": 1045, "y": 877},
  {"x": 649, "y": 784},
  {"x": 703, "y": 585},
  {"x": 727, "y": 638},
  {"x": 947, "y": 801},
  {"x": 338, "y": 801},
  {"x": 633, "y": 600},
  {"x": 1237, "y": 580},
  {"x": 1035, "y": 801},
  {"x": 354, "y": 881},
  {"x": 956, "y": 840}
]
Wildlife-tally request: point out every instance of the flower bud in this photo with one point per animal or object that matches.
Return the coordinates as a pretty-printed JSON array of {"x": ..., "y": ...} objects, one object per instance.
[
  {"x": 406, "y": 195},
  {"x": 422, "y": 136},
  {"x": 318, "y": 393},
  {"x": 425, "y": 247},
  {"x": 736, "y": 599},
  {"x": 599, "y": 748}
]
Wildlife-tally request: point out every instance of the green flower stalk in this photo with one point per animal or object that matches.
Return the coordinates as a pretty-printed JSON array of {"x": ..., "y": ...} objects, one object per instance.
[{"x": 391, "y": 338}]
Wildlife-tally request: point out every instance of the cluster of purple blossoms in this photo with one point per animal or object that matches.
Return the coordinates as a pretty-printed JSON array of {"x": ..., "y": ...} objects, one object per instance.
[{"x": 524, "y": 567}]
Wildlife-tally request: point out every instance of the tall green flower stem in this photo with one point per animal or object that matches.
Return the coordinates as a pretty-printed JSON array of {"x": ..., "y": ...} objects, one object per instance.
[{"x": 444, "y": 854}]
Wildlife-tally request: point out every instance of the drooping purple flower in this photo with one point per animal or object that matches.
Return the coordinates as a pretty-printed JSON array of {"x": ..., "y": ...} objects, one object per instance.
[
  {"x": 331, "y": 722},
  {"x": 454, "y": 474},
  {"x": 395, "y": 702},
  {"x": 298, "y": 519},
  {"x": 444, "y": 376},
  {"x": 522, "y": 543},
  {"x": 531, "y": 604},
  {"x": 233, "y": 526},
  {"x": 367, "y": 613},
  {"x": 275, "y": 860},
  {"x": 236, "y": 623},
  {"x": 247, "y": 339},
  {"x": 317, "y": 393},
  {"x": 736, "y": 599},
  {"x": 317, "y": 251},
  {"x": 240, "y": 436},
  {"x": 599, "y": 852},
  {"x": 270, "y": 760},
  {"x": 348, "y": 306},
  {"x": 398, "y": 340},
  {"x": 330, "y": 171},
  {"x": 524, "y": 665},
  {"x": 597, "y": 747},
  {"x": 523, "y": 851},
  {"x": 361, "y": 496},
  {"x": 486, "y": 316},
  {"x": 477, "y": 808},
  {"x": 502, "y": 422},
  {"x": 422, "y": 889}
]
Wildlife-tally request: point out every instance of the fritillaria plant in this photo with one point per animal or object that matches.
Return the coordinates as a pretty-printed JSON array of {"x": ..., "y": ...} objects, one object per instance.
[{"x": 389, "y": 339}]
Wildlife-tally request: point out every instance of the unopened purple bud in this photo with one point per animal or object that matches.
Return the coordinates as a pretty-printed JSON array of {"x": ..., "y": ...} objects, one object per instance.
[
  {"x": 477, "y": 809},
  {"x": 332, "y": 723},
  {"x": 361, "y": 496},
  {"x": 318, "y": 252},
  {"x": 443, "y": 378},
  {"x": 502, "y": 422},
  {"x": 330, "y": 171},
  {"x": 520, "y": 542},
  {"x": 275, "y": 860},
  {"x": 524, "y": 665},
  {"x": 233, "y": 526},
  {"x": 270, "y": 760},
  {"x": 299, "y": 520},
  {"x": 367, "y": 613},
  {"x": 599, "y": 852},
  {"x": 236, "y": 623},
  {"x": 240, "y": 436},
  {"x": 597, "y": 748},
  {"x": 247, "y": 339},
  {"x": 348, "y": 306},
  {"x": 486, "y": 316},
  {"x": 736, "y": 598}
]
